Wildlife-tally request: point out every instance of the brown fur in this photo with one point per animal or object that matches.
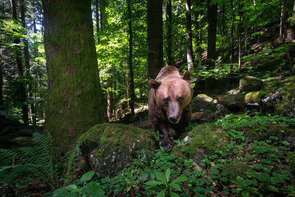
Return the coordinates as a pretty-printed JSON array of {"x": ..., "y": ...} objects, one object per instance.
[{"x": 169, "y": 102}]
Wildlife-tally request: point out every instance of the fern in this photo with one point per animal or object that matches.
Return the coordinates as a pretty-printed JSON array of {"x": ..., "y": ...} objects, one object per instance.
[{"x": 39, "y": 159}]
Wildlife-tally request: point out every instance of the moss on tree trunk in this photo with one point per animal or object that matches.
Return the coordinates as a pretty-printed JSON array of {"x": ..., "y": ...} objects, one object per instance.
[{"x": 74, "y": 94}]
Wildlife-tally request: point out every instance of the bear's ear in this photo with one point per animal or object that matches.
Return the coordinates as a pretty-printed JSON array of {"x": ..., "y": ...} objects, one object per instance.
[
  {"x": 187, "y": 76},
  {"x": 154, "y": 83}
]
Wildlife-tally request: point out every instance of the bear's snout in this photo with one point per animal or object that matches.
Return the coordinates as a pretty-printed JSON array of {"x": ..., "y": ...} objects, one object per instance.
[
  {"x": 173, "y": 120},
  {"x": 174, "y": 113}
]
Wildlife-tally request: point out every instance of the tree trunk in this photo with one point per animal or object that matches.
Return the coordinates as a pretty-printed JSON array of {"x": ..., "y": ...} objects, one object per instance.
[
  {"x": 154, "y": 37},
  {"x": 21, "y": 88},
  {"x": 2, "y": 117},
  {"x": 283, "y": 32},
  {"x": 27, "y": 62},
  {"x": 102, "y": 14},
  {"x": 240, "y": 35},
  {"x": 75, "y": 102},
  {"x": 232, "y": 31},
  {"x": 169, "y": 33},
  {"x": 292, "y": 22},
  {"x": 129, "y": 62},
  {"x": 189, "y": 40},
  {"x": 97, "y": 19},
  {"x": 212, "y": 28}
]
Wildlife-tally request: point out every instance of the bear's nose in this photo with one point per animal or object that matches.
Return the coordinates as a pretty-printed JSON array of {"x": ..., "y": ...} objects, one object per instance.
[{"x": 173, "y": 119}]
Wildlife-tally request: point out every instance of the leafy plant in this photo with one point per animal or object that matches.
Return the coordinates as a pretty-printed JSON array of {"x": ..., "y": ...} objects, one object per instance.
[
  {"x": 163, "y": 184},
  {"x": 92, "y": 188},
  {"x": 38, "y": 160}
]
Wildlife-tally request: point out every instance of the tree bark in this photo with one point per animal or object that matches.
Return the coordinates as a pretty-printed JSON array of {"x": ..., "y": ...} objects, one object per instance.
[
  {"x": 97, "y": 19},
  {"x": 75, "y": 102},
  {"x": 232, "y": 31},
  {"x": 154, "y": 37},
  {"x": 169, "y": 33},
  {"x": 129, "y": 62},
  {"x": 283, "y": 29},
  {"x": 189, "y": 40},
  {"x": 212, "y": 29},
  {"x": 240, "y": 35},
  {"x": 102, "y": 14},
  {"x": 21, "y": 88}
]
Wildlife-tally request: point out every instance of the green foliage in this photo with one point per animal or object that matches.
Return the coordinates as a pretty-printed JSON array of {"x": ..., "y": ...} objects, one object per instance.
[
  {"x": 254, "y": 168},
  {"x": 82, "y": 187},
  {"x": 162, "y": 184},
  {"x": 38, "y": 161}
]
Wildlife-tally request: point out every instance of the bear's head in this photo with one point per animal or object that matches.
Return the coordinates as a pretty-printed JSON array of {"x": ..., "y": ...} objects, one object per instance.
[{"x": 172, "y": 94}]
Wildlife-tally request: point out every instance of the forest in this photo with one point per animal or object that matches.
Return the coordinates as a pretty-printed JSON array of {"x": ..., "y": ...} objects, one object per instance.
[{"x": 74, "y": 97}]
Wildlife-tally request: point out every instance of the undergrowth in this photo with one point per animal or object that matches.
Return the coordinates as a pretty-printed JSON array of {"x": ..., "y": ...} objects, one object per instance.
[
  {"x": 35, "y": 167},
  {"x": 246, "y": 168}
]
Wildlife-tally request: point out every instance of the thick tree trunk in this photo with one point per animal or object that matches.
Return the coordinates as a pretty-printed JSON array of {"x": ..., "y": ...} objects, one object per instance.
[
  {"x": 189, "y": 40},
  {"x": 154, "y": 37},
  {"x": 75, "y": 101},
  {"x": 169, "y": 33},
  {"x": 129, "y": 62}
]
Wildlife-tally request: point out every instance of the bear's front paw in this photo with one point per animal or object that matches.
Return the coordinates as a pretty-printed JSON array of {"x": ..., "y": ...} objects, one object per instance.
[{"x": 167, "y": 143}]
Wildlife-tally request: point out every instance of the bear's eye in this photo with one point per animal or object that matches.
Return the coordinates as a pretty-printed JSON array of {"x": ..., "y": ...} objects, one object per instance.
[
  {"x": 166, "y": 101},
  {"x": 180, "y": 99}
]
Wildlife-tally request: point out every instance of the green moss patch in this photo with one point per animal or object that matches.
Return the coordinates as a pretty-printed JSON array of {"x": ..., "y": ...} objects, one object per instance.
[
  {"x": 206, "y": 139},
  {"x": 108, "y": 148}
]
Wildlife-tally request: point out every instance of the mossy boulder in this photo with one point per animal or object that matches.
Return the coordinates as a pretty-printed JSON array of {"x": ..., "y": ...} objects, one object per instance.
[
  {"x": 205, "y": 139},
  {"x": 279, "y": 98},
  {"x": 250, "y": 84},
  {"x": 108, "y": 148},
  {"x": 203, "y": 102},
  {"x": 211, "y": 108}
]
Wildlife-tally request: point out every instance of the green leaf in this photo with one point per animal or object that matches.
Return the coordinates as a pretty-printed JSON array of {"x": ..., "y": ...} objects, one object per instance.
[
  {"x": 273, "y": 188},
  {"x": 175, "y": 186},
  {"x": 180, "y": 179},
  {"x": 161, "y": 177},
  {"x": 167, "y": 175},
  {"x": 71, "y": 187},
  {"x": 93, "y": 189},
  {"x": 153, "y": 183},
  {"x": 9, "y": 167},
  {"x": 62, "y": 192},
  {"x": 162, "y": 193},
  {"x": 173, "y": 194},
  {"x": 245, "y": 194},
  {"x": 87, "y": 176}
]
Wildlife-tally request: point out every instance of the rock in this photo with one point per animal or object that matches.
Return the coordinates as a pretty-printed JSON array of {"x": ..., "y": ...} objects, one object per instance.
[
  {"x": 202, "y": 103},
  {"x": 202, "y": 140},
  {"x": 108, "y": 148},
  {"x": 212, "y": 110},
  {"x": 234, "y": 102},
  {"x": 250, "y": 84},
  {"x": 280, "y": 98}
]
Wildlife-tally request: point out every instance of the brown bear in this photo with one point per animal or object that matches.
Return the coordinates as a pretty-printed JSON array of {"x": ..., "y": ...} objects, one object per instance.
[{"x": 169, "y": 103}]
